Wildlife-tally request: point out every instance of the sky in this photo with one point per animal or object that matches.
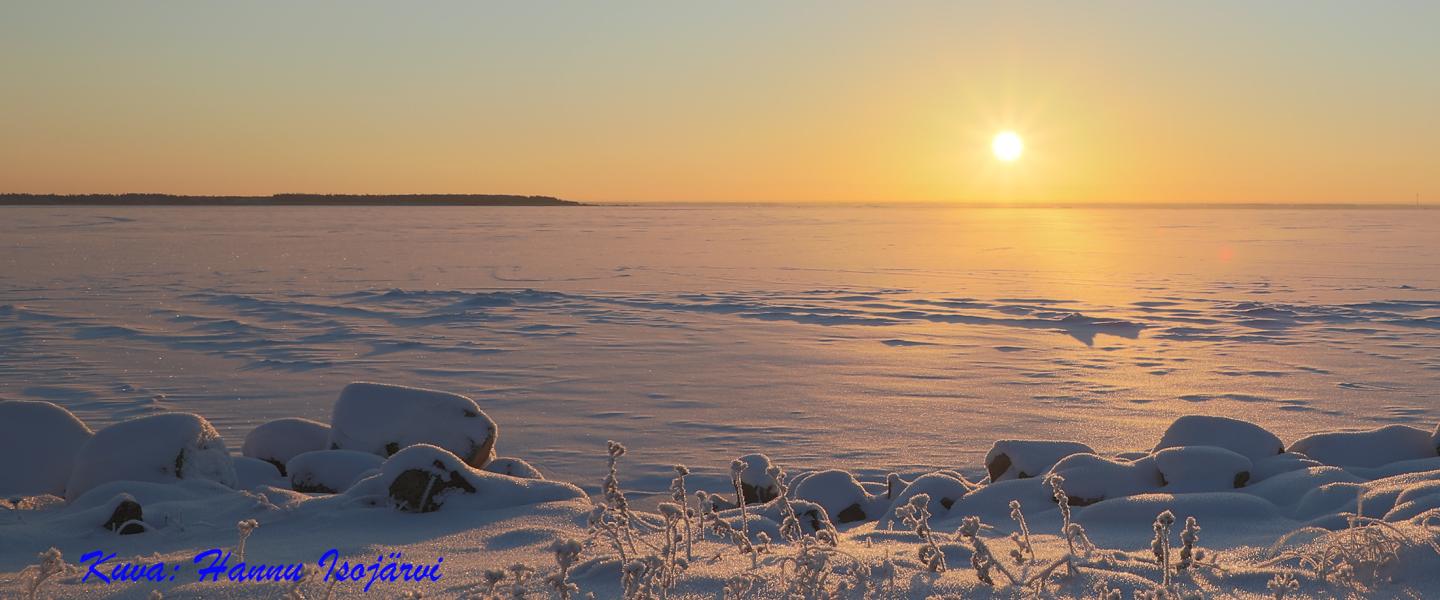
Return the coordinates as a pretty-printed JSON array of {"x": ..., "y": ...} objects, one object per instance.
[{"x": 726, "y": 101}]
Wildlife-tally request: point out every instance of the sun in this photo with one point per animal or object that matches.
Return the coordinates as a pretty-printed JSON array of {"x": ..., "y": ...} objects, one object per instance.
[{"x": 1007, "y": 146}]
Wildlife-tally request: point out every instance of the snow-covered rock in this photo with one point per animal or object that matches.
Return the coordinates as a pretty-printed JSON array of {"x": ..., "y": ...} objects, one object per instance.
[
  {"x": 1271, "y": 466},
  {"x": 278, "y": 441},
  {"x": 425, "y": 478},
  {"x": 1370, "y": 448},
  {"x": 943, "y": 488},
  {"x": 1202, "y": 469},
  {"x": 755, "y": 480},
  {"x": 1241, "y": 437},
  {"x": 383, "y": 419},
  {"x": 251, "y": 472},
  {"x": 1019, "y": 459},
  {"x": 513, "y": 467},
  {"x": 330, "y": 471},
  {"x": 1289, "y": 488},
  {"x": 38, "y": 444},
  {"x": 161, "y": 448},
  {"x": 1090, "y": 478},
  {"x": 841, "y": 495}
]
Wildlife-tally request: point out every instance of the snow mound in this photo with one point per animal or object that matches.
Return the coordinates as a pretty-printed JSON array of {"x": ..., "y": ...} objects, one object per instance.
[
  {"x": 944, "y": 489},
  {"x": 382, "y": 419},
  {"x": 161, "y": 448},
  {"x": 252, "y": 472},
  {"x": 1370, "y": 448},
  {"x": 1241, "y": 437},
  {"x": 1019, "y": 459},
  {"x": 47, "y": 437},
  {"x": 424, "y": 478},
  {"x": 841, "y": 495},
  {"x": 513, "y": 467},
  {"x": 756, "y": 482},
  {"x": 1090, "y": 478},
  {"x": 278, "y": 441},
  {"x": 1202, "y": 469},
  {"x": 330, "y": 471},
  {"x": 1271, "y": 466},
  {"x": 1210, "y": 509}
]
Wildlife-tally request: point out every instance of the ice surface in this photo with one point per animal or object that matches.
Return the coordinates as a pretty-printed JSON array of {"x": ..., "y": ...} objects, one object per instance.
[
  {"x": 38, "y": 443},
  {"x": 873, "y": 341}
]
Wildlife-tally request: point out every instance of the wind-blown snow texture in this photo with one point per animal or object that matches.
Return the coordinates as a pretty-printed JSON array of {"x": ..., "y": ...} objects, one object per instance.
[{"x": 865, "y": 339}]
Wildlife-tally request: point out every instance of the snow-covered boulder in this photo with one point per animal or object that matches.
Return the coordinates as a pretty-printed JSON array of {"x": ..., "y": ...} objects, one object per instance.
[
  {"x": 841, "y": 495},
  {"x": 424, "y": 478},
  {"x": 330, "y": 471},
  {"x": 1202, "y": 469},
  {"x": 38, "y": 444},
  {"x": 944, "y": 489},
  {"x": 382, "y": 419},
  {"x": 278, "y": 441},
  {"x": 1241, "y": 437},
  {"x": 1019, "y": 459},
  {"x": 756, "y": 482},
  {"x": 252, "y": 472},
  {"x": 513, "y": 467},
  {"x": 1090, "y": 478},
  {"x": 1271, "y": 466},
  {"x": 1371, "y": 448},
  {"x": 161, "y": 448}
]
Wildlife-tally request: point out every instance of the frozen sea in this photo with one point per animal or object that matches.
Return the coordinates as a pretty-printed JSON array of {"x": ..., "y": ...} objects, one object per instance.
[{"x": 874, "y": 339}]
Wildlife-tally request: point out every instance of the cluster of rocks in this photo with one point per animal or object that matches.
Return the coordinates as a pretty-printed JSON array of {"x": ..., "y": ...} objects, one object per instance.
[
  {"x": 1196, "y": 454},
  {"x": 444, "y": 442}
]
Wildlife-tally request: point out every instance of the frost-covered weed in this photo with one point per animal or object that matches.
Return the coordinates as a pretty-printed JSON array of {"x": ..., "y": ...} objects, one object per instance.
[
  {"x": 981, "y": 558},
  {"x": 51, "y": 563},
  {"x": 1361, "y": 553},
  {"x": 244, "y": 529},
  {"x": 1022, "y": 537},
  {"x": 916, "y": 515},
  {"x": 737, "y": 468},
  {"x": 1282, "y": 584},
  {"x": 520, "y": 574},
  {"x": 566, "y": 552},
  {"x": 1103, "y": 591},
  {"x": 677, "y": 493},
  {"x": 1188, "y": 537},
  {"x": 1160, "y": 545}
]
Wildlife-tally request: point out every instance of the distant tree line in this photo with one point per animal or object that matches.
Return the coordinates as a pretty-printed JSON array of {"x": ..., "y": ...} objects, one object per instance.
[{"x": 140, "y": 199}]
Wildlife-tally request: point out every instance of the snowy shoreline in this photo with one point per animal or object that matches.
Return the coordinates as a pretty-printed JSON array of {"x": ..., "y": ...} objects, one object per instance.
[{"x": 1217, "y": 505}]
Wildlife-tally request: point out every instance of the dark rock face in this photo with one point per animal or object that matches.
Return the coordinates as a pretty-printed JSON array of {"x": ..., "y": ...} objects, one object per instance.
[
  {"x": 851, "y": 514},
  {"x": 998, "y": 466},
  {"x": 311, "y": 488},
  {"x": 947, "y": 503},
  {"x": 758, "y": 494},
  {"x": 415, "y": 490},
  {"x": 1242, "y": 478},
  {"x": 1082, "y": 501},
  {"x": 278, "y": 465},
  {"x": 121, "y": 521}
]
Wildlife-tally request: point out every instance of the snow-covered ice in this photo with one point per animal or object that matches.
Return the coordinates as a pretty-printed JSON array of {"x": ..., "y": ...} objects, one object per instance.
[{"x": 854, "y": 342}]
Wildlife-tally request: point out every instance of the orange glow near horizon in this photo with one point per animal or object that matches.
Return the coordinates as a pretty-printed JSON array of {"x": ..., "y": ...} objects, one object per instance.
[{"x": 725, "y": 103}]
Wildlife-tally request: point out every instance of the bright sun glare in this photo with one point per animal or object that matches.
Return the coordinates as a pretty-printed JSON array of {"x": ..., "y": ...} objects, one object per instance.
[{"x": 1007, "y": 146}]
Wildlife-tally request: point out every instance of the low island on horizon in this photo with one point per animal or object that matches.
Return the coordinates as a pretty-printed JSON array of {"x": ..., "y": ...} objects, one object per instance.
[{"x": 12, "y": 199}]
